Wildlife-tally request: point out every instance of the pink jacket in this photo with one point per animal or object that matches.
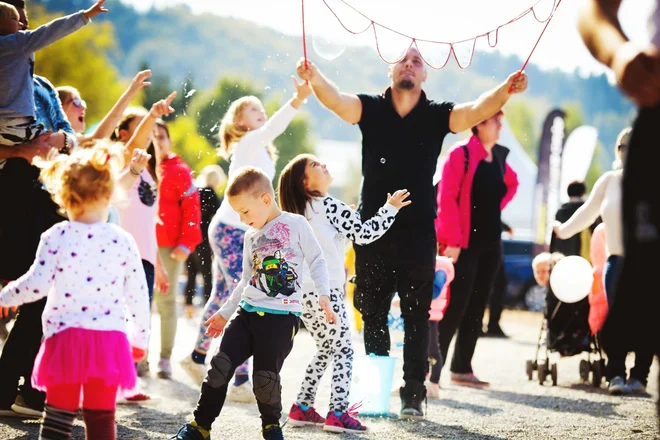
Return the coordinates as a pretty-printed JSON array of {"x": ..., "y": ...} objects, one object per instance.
[
  {"x": 597, "y": 300},
  {"x": 439, "y": 305},
  {"x": 452, "y": 224}
]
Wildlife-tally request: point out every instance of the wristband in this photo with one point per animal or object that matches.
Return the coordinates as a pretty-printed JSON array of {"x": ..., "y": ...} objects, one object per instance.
[{"x": 134, "y": 172}]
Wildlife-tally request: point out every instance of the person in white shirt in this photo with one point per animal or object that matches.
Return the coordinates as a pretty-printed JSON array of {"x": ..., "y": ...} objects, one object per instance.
[
  {"x": 605, "y": 200},
  {"x": 96, "y": 319},
  {"x": 303, "y": 190},
  {"x": 269, "y": 302},
  {"x": 246, "y": 137}
]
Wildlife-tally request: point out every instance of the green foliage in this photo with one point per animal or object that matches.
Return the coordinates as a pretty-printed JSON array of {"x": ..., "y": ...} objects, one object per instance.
[
  {"x": 81, "y": 60},
  {"x": 187, "y": 143},
  {"x": 521, "y": 118},
  {"x": 597, "y": 168},
  {"x": 574, "y": 116},
  {"x": 209, "y": 107},
  {"x": 294, "y": 141}
]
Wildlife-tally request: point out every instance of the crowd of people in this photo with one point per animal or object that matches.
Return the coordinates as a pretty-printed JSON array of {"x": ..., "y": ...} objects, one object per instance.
[{"x": 104, "y": 223}]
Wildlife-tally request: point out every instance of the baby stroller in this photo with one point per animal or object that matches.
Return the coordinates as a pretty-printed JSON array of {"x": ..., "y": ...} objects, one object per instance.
[{"x": 565, "y": 330}]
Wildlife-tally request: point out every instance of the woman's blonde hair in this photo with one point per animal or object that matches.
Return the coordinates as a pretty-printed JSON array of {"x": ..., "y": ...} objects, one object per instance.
[
  {"x": 231, "y": 133},
  {"x": 86, "y": 176},
  {"x": 66, "y": 93}
]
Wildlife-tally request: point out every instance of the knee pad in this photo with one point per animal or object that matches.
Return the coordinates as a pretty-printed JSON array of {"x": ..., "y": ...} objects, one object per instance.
[
  {"x": 218, "y": 374},
  {"x": 267, "y": 387}
]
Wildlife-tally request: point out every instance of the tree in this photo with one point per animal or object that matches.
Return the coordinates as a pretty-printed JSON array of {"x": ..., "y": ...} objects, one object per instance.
[
  {"x": 210, "y": 107},
  {"x": 81, "y": 60},
  {"x": 294, "y": 141},
  {"x": 187, "y": 143},
  {"x": 159, "y": 88},
  {"x": 523, "y": 124}
]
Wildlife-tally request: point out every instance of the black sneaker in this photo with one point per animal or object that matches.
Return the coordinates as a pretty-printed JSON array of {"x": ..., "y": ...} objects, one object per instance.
[
  {"x": 272, "y": 432},
  {"x": 190, "y": 431},
  {"x": 412, "y": 396},
  {"x": 495, "y": 332}
]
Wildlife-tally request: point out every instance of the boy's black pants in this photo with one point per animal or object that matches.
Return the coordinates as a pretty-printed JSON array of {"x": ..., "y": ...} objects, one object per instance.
[{"x": 268, "y": 338}]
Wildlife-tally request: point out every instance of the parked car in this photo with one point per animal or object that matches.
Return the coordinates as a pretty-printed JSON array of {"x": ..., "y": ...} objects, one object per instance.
[{"x": 522, "y": 290}]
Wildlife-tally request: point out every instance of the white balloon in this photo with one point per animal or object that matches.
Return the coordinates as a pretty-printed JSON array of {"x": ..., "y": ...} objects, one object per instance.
[{"x": 571, "y": 279}]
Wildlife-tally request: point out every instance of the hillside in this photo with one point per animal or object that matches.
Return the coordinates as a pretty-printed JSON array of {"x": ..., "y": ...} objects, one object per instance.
[{"x": 176, "y": 42}]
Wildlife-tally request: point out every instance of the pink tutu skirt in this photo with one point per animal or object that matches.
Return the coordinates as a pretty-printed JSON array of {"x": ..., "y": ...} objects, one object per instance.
[{"x": 76, "y": 355}]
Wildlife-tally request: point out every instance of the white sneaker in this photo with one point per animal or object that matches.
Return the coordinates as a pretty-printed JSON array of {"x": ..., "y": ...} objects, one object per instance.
[
  {"x": 618, "y": 386},
  {"x": 197, "y": 372},
  {"x": 242, "y": 393},
  {"x": 635, "y": 386},
  {"x": 164, "y": 369},
  {"x": 432, "y": 390}
]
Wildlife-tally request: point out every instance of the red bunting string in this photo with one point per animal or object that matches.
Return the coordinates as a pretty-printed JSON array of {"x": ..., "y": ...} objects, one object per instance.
[{"x": 490, "y": 35}]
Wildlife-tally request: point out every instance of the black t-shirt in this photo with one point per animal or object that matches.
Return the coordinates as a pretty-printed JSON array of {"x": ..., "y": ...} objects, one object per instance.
[
  {"x": 488, "y": 190},
  {"x": 401, "y": 153},
  {"x": 210, "y": 202}
]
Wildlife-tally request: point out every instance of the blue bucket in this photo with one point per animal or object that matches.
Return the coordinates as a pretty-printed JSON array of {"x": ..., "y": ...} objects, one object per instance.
[{"x": 372, "y": 384}]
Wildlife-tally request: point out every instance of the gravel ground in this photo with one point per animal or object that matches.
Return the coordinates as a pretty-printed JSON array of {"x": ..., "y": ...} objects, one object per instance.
[{"x": 512, "y": 408}]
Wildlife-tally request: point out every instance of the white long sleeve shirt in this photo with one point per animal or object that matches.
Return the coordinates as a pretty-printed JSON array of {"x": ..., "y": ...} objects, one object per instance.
[
  {"x": 251, "y": 151},
  {"x": 333, "y": 223},
  {"x": 273, "y": 258},
  {"x": 93, "y": 277},
  {"x": 604, "y": 200}
]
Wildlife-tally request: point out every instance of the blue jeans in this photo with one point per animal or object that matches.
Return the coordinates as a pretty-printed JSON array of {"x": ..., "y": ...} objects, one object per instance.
[{"x": 611, "y": 276}]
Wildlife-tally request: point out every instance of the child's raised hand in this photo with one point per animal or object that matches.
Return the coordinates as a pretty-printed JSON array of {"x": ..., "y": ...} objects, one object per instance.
[
  {"x": 303, "y": 89},
  {"x": 139, "y": 160},
  {"x": 324, "y": 302},
  {"x": 140, "y": 81},
  {"x": 163, "y": 107},
  {"x": 216, "y": 325},
  {"x": 96, "y": 9},
  {"x": 398, "y": 199}
]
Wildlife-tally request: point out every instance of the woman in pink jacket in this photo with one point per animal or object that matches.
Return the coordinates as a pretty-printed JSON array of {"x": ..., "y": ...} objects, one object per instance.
[{"x": 476, "y": 185}]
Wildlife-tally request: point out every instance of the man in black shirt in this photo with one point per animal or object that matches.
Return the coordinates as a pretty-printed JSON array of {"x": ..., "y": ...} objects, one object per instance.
[
  {"x": 402, "y": 134},
  {"x": 572, "y": 246}
]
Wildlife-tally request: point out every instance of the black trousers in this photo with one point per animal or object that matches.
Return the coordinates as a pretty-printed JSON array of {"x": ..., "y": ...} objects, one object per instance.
[
  {"x": 632, "y": 323},
  {"x": 268, "y": 338},
  {"x": 27, "y": 212},
  {"x": 200, "y": 261},
  {"x": 496, "y": 301},
  {"x": 474, "y": 274},
  {"x": 402, "y": 261}
]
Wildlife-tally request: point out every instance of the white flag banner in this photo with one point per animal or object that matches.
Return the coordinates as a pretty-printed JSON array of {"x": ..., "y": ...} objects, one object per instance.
[{"x": 576, "y": 157}]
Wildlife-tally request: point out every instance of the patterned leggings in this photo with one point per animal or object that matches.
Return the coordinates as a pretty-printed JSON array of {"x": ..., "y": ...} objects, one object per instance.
[
  {"x": 332, "y": 343},
  {"x": 227, "y": 245}
]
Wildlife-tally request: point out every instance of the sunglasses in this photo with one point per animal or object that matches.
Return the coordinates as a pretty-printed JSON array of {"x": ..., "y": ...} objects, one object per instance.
[{"x": 78, "y": 103}]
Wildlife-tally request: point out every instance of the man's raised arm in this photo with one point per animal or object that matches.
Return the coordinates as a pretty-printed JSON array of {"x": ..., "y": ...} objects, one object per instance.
[
  {"x": 348, "y": 107},
  {"x": 466, "y": 116}
]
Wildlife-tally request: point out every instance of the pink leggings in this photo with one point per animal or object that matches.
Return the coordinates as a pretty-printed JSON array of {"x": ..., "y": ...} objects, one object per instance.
[{"x": 96, "y": 395}]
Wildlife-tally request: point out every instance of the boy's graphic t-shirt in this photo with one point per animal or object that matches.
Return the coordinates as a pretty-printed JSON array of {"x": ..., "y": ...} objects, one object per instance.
[{"x": 273, "y": 259}]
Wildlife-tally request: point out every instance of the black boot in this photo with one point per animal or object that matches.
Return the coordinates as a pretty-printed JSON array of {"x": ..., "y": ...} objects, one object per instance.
[{"x": 412, "y": 396}]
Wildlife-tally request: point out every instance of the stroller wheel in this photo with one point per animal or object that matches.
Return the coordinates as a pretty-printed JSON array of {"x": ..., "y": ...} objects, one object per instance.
[
  {"x": 553, "y": 374},
  {"x": 542, "y": 372},
  {"x": 530, "y": 369},
  {"x": 598, "y": 370},
  {"x": 585, "y": 369}
]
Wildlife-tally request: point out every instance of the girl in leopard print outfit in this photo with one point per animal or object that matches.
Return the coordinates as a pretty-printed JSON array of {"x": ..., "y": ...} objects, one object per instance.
[{"x": 303, "y": 189}]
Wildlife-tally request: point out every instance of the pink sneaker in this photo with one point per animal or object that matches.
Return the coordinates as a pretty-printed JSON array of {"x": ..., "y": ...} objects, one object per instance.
[
  {"x": 300, "y": 417},
  {"x": 344, "y": 422}
]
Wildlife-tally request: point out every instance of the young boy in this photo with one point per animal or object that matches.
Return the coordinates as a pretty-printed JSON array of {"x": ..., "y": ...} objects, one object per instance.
[
  {"x": 17, "y": 110},
  {"x": 268, "y": 299}
]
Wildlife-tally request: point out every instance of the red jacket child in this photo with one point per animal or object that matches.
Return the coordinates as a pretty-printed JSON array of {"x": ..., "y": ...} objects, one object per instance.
[
  {"x": 179, "y": 210},
  {"x": 455, "y": 190}
]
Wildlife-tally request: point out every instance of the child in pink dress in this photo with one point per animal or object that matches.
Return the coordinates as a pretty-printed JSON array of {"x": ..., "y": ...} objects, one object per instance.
[{"x": 92, "y": 274}]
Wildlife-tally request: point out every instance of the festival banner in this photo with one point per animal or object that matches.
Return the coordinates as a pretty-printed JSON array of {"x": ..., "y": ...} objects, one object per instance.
[{"x": 547, "y": 191}]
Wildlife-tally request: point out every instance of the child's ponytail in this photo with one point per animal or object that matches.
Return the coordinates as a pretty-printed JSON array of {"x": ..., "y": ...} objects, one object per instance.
[{"x": 291, "y": 190}]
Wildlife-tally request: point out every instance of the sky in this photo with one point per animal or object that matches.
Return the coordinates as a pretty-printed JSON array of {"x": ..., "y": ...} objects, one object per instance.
[{"x": 440, "y": 20}]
